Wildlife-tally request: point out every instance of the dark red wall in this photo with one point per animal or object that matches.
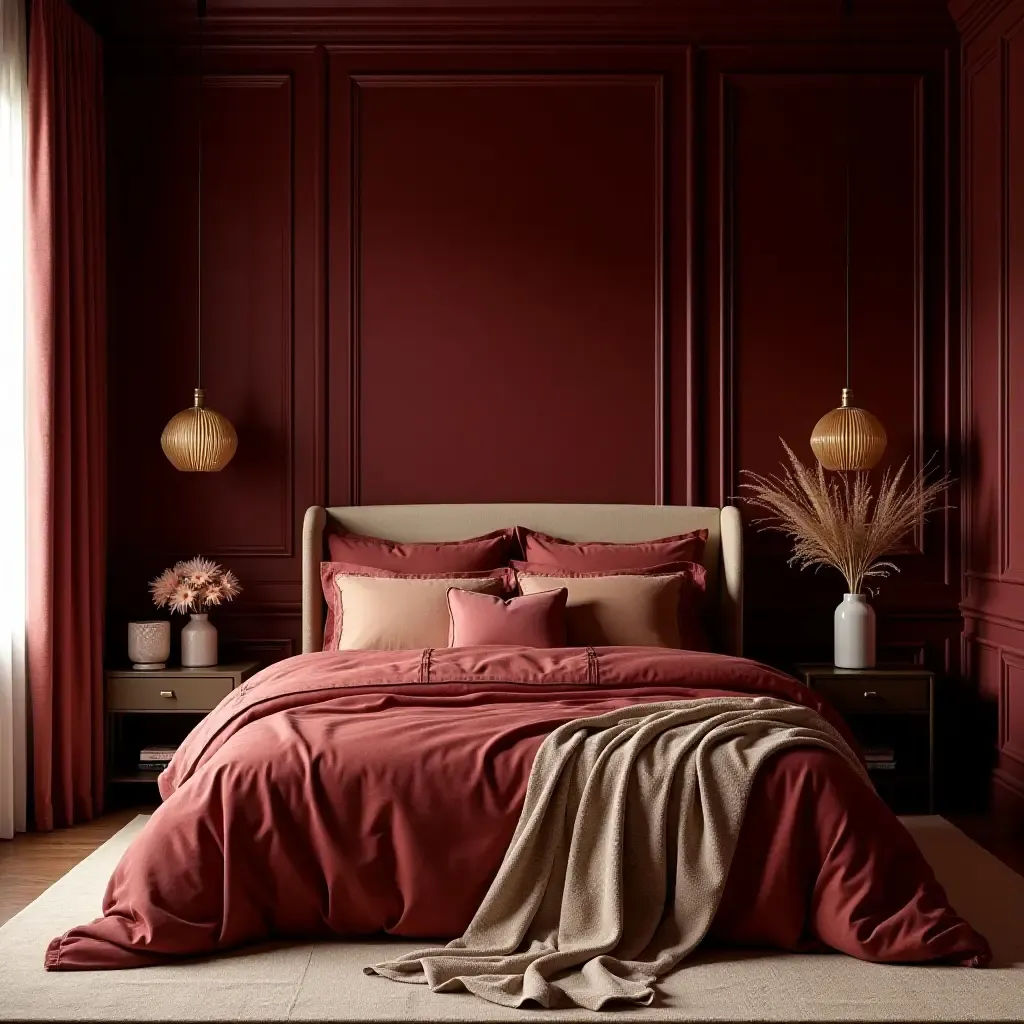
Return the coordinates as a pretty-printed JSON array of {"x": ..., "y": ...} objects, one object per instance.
[
  {"x": 568, "y": 254},
  {"x": 993, "y": 378}
]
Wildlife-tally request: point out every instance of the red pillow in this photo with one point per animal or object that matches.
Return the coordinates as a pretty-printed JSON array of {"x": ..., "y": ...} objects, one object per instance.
[
  {"x": 328, "y": 570},
  {"x": 476, "y": 554},
  {"x": 600, "y": 556},
  {"x": 692, "y": 634},
  {"x": 534, "y": 620}
]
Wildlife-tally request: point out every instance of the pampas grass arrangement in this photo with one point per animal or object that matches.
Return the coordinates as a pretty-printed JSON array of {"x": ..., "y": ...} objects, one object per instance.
[
  {"x": 194, "y": 585},
  {"x": 838, "y": 521}
]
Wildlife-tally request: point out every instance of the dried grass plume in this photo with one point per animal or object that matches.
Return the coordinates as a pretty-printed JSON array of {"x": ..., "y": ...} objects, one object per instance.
[{"x": 838, "y": 521}]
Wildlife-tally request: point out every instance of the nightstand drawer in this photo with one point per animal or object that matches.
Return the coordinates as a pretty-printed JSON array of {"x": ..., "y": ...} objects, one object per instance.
[
  {"x": 867, "y": 696},
  {"x": 167, "y": 694}
]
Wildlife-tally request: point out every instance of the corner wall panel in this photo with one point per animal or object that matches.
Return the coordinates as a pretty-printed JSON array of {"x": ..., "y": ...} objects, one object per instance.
[
  {"x": 1013, "y": 370},
  {"x": 993, "y": 358},
  {"x": 984, "y": 307}
]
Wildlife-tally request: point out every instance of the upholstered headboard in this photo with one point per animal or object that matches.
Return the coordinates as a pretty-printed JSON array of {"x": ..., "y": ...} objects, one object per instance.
[{"x": 723, "y": 555}]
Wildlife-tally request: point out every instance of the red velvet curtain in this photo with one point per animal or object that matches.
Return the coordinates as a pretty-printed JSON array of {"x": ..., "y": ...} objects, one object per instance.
[{"x": 65, "y": 400}]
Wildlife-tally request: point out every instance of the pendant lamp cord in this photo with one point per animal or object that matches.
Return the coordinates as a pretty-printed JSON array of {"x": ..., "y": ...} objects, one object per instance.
[
  {"x": 847, "y": 272},
  {"x": 847, "y": 269},
  {"x": 201, "y": 14}
]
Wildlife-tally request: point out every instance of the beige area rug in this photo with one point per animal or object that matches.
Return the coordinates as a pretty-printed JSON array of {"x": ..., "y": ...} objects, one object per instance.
[{"x": 324, "y": 981}]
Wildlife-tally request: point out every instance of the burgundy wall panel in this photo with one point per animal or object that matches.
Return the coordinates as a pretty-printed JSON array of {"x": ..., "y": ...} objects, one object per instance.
[
  {"x": 983, "y": 90},
  {"x": 791, "y": 138},
  {"x": 1012, "y": 731},
  {"x": 993, "y": 372},
  {"x": 1013, "y": 390},
  {"x": 509, "y": 269},
  {"x": 246, "y": 317}
]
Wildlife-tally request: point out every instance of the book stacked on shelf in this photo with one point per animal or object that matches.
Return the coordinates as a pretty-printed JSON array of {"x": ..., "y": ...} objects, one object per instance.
[
  {"x": 880, "y": 759},
  {"x": 155, "y": 759}
]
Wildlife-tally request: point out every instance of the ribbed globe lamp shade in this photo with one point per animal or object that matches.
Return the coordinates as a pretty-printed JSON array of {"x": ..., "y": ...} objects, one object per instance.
[
  {"x": 199, "y": 440},
  {"x": 848, "y": 438}
]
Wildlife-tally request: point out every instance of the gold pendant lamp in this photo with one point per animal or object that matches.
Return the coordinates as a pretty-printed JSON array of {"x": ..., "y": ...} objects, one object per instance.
[
  {"x": 848, "y": 438},
  {"x": 198, "y": 439}
]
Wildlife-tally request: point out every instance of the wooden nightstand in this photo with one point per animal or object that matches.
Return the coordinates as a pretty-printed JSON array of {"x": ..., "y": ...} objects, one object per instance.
[
  {"x": 891, "y": 712},
  {"x": 160, "y": 708}
]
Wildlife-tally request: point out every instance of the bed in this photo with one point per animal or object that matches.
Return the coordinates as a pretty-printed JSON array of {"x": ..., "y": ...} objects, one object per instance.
[
  {"x": 355, "y": 793},
  {"x": 624, "y": 523}
]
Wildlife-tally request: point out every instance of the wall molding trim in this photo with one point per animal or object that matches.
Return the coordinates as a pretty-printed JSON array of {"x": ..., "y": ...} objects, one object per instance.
[
  {"x": 974, "y": 16},
  {"x": 604, "y": 21}
]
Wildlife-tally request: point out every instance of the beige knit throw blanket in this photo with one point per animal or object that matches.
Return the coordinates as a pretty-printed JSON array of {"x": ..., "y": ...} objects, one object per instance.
[{"x": 621, "y": 855}]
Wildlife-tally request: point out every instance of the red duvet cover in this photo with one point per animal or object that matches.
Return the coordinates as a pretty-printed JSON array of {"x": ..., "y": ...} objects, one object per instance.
[{"x": 352, "y": 793}]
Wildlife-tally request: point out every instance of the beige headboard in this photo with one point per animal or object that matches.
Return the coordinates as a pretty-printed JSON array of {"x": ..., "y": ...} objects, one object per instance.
[{"x": 723, "y": 555}]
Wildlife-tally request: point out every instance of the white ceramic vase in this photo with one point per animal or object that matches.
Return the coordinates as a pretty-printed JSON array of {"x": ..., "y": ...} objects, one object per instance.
[
  {"x": 855, "y": 633},
  {"x": 149, "y": 644},
  {"x": 199, "y": 642}
]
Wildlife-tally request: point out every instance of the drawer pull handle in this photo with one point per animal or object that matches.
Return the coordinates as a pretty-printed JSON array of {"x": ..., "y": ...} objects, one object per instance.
[
  {"x": 167, "y": 693},
  {"x": 871, "y": 695}
]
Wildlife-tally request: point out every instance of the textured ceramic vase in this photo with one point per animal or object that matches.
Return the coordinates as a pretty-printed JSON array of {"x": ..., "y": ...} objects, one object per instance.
[
  {"x": 199, "y": 642},
  {"x": 855, "y": 633},
  {"x": 149, "y": 644}
]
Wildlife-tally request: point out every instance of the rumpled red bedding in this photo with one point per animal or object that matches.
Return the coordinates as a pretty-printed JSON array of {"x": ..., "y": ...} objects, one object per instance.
[{"x": 351, "y": 793}]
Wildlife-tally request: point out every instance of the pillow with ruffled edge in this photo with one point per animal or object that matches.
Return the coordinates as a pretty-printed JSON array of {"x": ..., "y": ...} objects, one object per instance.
[
  {"x": 475, "y": 554},
  {"x": 332, "y": 595},
  {"x": 660, "y": 606},
  {"x": 604, "y": 556}
]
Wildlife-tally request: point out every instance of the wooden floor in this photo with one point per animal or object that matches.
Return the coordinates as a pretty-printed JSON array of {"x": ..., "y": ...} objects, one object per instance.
[
  {"x": 985, "y": 831},
  {"x": 32, "y": 862}
]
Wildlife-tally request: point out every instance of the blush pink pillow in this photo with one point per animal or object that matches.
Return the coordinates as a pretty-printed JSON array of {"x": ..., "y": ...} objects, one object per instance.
[
  {"x": 329, "y": 571},
  {"x": 536, "y": 620},
  {"x": 601, "y": 556},
  {"x": 476, "y": 554},
  {"x": 689, "y": 631}
]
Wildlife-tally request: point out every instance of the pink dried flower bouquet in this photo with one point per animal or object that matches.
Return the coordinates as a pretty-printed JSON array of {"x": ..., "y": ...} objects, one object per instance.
[{"x": 194, "y": 585}]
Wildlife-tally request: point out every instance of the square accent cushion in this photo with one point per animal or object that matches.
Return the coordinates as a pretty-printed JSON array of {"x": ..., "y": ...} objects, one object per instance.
[{"x": 534, "y": 620}]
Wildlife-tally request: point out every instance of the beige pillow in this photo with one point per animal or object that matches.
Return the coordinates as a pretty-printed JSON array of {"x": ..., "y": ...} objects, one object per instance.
[
  {"x": 395, "y": 614},
  {"x": 619, "y": 610}
]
